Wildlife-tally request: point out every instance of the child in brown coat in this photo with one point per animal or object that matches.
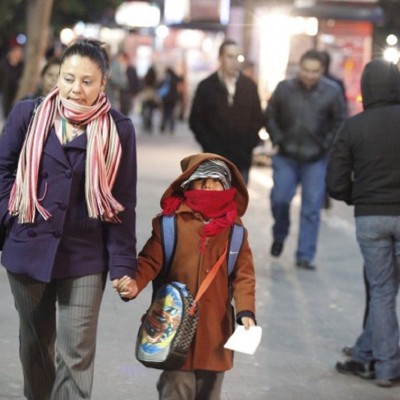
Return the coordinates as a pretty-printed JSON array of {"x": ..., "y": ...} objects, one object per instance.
[{"x": 206, "y": 199}]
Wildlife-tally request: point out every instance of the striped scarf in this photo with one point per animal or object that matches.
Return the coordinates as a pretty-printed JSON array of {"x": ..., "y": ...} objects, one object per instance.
[{"x": 103, "y": 155}]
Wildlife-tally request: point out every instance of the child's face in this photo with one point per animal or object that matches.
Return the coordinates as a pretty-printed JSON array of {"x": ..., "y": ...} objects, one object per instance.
[{"x": 206, "y": 184}]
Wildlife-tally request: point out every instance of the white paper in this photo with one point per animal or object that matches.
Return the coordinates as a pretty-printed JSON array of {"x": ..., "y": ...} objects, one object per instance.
[{"x": 245, "y": 340}]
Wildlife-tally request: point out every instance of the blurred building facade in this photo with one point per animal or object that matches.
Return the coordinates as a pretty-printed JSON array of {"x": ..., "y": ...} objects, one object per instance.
[{"x": 186, "y": 34}]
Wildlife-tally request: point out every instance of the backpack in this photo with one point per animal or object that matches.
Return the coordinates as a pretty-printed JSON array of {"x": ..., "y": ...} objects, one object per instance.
[
  {"x": 168, "y": 238},
  {"x": 168, "y": 327}
]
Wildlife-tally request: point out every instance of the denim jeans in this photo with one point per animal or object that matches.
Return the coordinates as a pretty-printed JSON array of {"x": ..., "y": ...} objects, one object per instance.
[
  {"x": 379, "y": 241},
  {"x": 287, "y": 175}
]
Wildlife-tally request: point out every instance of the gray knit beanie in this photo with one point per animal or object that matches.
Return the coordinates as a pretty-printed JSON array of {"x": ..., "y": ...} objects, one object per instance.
[{"x": 215, "y": 169}]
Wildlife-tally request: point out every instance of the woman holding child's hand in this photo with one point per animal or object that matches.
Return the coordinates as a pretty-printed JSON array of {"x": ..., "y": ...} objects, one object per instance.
[{"x": 126, "y": 287}]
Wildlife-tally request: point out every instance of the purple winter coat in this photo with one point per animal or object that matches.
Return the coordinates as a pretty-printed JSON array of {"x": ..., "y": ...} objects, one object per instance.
[{"x": 69, "y": 243}]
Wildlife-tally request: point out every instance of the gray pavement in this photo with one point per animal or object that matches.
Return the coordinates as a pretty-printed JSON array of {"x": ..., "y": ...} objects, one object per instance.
[{"x": 307, "y": 317}]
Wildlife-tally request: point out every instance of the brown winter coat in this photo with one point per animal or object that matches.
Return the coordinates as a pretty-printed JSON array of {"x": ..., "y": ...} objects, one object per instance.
[{"x": 189, "y": 266}]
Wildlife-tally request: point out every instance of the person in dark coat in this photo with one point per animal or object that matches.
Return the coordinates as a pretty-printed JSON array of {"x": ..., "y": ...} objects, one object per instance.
[
  {"x": 226, "y": 112},
  {"x": 149, "y": 99},
  {"x": 68, "y": 198},
  {"x": 364, "y": 171},
  {"x": 302, "y": 118}
]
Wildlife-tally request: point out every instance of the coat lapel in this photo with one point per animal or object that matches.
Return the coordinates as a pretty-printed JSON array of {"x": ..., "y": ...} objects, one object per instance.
[{"x": 54, "y": 149}]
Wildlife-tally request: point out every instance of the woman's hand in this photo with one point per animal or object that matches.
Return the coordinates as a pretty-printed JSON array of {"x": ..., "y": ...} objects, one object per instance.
[{"x": 126, "y": 287}]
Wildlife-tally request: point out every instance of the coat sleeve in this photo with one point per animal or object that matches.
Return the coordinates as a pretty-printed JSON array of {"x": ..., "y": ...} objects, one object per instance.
[
  {"x": 11, "y": 141},
  {"x": 198, "y": 117},
  {"x": 150, "y": 258},
  {"x": 121, "y": 237},
  {"x": 243, "y": 281},
  {"x": 339, "y": 179},
  {"x": 338, "y": 115},
  {"x": 272, "y": 115},
  {"x": 257, "y": 118}
]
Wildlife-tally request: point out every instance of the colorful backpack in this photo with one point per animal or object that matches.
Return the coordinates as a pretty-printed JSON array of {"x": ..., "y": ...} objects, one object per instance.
[{"x": 168, "y": 327}]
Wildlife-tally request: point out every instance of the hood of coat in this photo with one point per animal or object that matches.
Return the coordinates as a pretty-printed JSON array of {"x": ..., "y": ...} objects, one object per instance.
[
  {"x": 380, "y": 84},
  {"x": 189, "y": 165}
]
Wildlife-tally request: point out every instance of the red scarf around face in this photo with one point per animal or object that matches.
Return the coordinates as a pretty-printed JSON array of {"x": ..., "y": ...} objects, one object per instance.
[{"x": 217, "y": 206}]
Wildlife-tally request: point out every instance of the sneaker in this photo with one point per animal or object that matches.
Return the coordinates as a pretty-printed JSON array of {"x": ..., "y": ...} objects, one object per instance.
[
  {"x": 276, "y": 249},
  {"x": 363, "y": 370},
  {"x": 384, "y": 383},
  {"x": 305, "y": 265}
]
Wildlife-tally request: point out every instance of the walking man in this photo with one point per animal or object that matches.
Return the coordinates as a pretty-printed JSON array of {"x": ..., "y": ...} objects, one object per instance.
[
  {"x": 226, "y": 111},
  {"x": 302, "y": 117}
]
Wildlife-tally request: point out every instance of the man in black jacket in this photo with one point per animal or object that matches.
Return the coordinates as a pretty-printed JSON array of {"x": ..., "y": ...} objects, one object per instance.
[
  {"x": 302, "y": 117},
  {"x": 226, "y": 111},
  {"x": 364, "y": 171}
]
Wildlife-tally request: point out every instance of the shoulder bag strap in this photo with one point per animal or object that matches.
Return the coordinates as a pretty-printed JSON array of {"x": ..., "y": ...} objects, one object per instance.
[{"x": 207, "y": 281}]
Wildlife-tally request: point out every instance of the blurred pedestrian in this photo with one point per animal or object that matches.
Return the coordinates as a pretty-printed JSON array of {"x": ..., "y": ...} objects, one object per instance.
[
  {"x": 148, "y": 98},
  {"x": 48, "y": 78},
  {"x": 328, "y": 74},
  {"x": 128, "y": 93},
  {"x": 169, "y": 96},
  {"x": 68, "y": 197},
  {"x": 207, "y": 199},
  {"x": 11, "y": 69},
  {"x": 118, "y": 81},
  {"x": 302, "y": 118},
  {"x": 226, "y": 112},
  {"x": 249, "y": 70},
  {"x": 362, "y": 172}
]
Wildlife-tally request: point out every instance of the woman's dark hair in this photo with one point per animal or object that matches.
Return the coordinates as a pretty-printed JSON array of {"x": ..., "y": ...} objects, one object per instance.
[{"x": 91, "y": 48}]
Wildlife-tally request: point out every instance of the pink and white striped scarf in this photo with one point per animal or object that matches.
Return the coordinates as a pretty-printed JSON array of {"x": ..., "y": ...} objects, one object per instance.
[{"x": 103, "y": 155}]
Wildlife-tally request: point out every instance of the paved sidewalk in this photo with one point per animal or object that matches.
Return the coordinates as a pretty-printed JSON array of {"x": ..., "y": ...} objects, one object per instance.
[{"x": 306, "y": 316}]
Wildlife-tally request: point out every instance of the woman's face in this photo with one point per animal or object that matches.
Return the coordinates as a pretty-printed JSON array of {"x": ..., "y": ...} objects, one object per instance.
[
  {"x": 80, "y": 80},
  {"x": 207, "y": 184}
]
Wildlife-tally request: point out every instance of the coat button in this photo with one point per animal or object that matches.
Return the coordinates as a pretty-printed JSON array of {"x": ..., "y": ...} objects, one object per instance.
[
  {"x": 45, "y": 175},
  {"x": 68, "y": 174},
  {"x": 32, "y": 233},
  {"x": 62, "y": 206},
  {"x": 57, "y": 235}
]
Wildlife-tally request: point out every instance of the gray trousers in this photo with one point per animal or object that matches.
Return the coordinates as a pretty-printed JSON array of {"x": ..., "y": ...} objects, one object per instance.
[
  {"x": 57, "y": 334},
  {"x": 190, "y": 385}
]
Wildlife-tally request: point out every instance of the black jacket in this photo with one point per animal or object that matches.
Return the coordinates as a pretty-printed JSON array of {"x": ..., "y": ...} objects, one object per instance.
[
  {"x": 228, "y": 130},
  {"x": 364, "y": 168},
  {"x": 304, "y": 122}
]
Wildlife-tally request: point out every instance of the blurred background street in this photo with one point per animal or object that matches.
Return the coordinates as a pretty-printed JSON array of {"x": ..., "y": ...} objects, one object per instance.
[{"x": 306, "y": 316}]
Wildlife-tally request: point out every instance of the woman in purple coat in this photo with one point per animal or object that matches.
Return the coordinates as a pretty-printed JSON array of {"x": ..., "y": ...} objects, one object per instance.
[{"x": 67, "y": 198}]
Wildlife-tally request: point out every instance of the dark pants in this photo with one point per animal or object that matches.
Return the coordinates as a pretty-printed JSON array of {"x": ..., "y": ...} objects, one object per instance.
[{"x": 190, "y": 385}]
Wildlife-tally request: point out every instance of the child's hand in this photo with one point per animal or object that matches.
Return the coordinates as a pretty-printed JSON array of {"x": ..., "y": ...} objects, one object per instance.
[
  {"x": 126, "y": 287},
  {"x": 247, "y": 322}
]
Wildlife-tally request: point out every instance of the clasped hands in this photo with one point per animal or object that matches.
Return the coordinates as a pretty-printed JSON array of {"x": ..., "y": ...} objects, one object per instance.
[{"x": 126, "y": 287}]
